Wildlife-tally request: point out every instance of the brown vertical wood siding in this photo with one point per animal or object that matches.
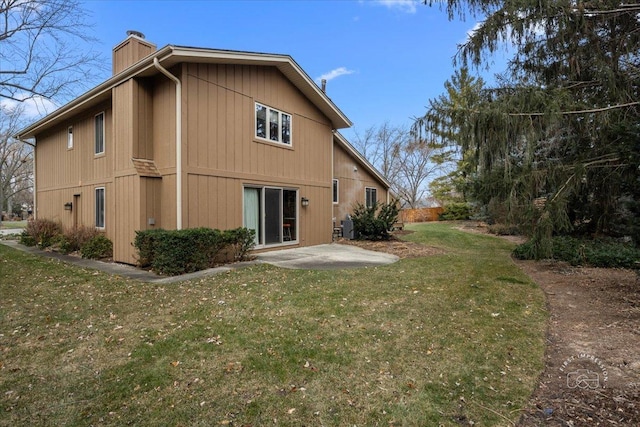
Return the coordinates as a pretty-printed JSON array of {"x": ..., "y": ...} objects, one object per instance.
[
  {"x": 127, "y": 216},
  {"x": 133, "y": 130},
  {"x": 222, "y": 153},
  {"x": 63, "y": 173},
  {"x": 129, "y": 52},
  {"x": 352, "y": 184}
]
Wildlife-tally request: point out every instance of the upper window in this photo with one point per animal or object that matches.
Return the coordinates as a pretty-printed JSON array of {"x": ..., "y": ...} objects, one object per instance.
[
  {"x": 371, "y": 196},
  {"x": 100, "y": 207},
  {"x": 273, "y": 125},
  {"x": 99, "y": 132},
  {"x": 335, "y": 191},
  {"x": 70, "y": 137}
]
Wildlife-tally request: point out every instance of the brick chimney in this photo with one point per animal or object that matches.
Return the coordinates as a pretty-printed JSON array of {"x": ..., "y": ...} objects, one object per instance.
[{"x": 131, "y": 50}]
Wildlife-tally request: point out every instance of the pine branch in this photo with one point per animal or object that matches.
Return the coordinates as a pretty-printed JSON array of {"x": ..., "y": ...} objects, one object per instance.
[
  {"x": 624, "y": 8},
  {"x": 594, "y": 110}
]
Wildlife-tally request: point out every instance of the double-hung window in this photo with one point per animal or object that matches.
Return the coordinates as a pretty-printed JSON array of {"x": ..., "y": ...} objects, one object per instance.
[
  {"x": 100, "y": 207},
  {"x": 273, "y": 125},
  {"x": 99, "y": 133},
  {"x": 371, "y": 196}
]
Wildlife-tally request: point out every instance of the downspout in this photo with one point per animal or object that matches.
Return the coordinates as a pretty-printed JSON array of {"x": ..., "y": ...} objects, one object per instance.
[
  {"x": 164, "y": 71},
  {"x": 35, "y": 186},
  {"x": 334, "y": 219}
]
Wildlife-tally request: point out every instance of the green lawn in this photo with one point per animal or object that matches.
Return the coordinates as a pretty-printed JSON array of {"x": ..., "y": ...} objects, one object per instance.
[
  {"x": 448, "y": 340},
  {"x": 14, "y": 224}
]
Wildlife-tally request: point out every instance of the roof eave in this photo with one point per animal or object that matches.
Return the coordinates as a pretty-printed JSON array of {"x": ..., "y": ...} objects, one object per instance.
[
  {"x": 361, "y": 159},
  {"x": 171, "y": 55},
  {"x": 102, "y": 90},
  {"x": 285, "y": 63}
]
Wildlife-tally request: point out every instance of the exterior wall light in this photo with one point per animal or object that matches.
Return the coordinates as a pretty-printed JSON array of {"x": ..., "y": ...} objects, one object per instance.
[
  {"x": 68, "y": 206},
  {"x": 305, "y": 202}
]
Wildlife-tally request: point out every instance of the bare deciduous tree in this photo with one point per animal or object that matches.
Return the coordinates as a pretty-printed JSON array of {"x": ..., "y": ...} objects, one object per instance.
[
  {"x": 381, "y": 147},
  {"x": 418, "y": 161},
  {"x": 45, "y": 55},
  {"x": 44, "y": 50},
  {"x": 408, "y": 163},
  {"x": 16, "y": 162}
]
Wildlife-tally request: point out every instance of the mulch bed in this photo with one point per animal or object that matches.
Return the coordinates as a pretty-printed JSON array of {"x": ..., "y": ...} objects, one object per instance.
[{"x": 395, "y": 246}]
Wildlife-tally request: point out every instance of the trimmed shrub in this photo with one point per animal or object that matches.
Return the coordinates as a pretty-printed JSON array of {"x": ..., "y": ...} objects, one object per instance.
[
  {"x": 145, "y": 242},
  {"x": 241, "y": 240},
  {"x": 27, "y": 239},
  {"x": 369, "y": 226},
  {"x": 174, "y": 252},
  {"x": 73, "y": 239},
  {"x": 455, "y": 211},
  {"x": 592, "y": 252},
  {"x": 62, "y": 244},
  {"x": 389, "y": 214},
  {"x": 186, "y": 251},
  {"x": 97, "y": 247},
  {"x": 46, "y": 233},
  {"x": 41, "y": 233}
]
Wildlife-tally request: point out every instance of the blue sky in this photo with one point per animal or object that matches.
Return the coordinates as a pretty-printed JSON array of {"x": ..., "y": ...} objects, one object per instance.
[{"x": 383, "y": 59}]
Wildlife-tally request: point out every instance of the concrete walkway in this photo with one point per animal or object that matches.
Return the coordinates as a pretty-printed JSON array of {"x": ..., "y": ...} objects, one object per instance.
[
  {"x": 326, "y": 257},
  {"x": 321, "y": 257}
]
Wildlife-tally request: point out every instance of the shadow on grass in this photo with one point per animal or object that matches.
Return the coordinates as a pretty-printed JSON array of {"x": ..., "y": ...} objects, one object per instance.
[{"x": 443, "y": 339}]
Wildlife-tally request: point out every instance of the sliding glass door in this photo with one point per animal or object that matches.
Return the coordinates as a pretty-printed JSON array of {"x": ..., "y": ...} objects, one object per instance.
[
  {"x": 273, "y": 213},
  {"x": 252, "y": 212},
  {"x": 272, "y": 216}
]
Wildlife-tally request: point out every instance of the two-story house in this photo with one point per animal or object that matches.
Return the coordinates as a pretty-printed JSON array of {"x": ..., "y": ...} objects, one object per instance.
[{"x": 185, "y": 137}]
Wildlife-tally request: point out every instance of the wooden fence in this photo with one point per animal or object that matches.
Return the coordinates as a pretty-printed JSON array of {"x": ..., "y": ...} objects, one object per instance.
[{"x": 420, "y": 214}]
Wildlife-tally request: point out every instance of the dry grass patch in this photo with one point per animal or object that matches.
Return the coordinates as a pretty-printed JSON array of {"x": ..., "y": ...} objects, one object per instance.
[{"x": 448, "y": 339}]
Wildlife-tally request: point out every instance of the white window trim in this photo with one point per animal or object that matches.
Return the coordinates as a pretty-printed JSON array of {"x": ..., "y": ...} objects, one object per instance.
[
  {"x": 69, "y": 137},
  {"x": 104, "y": 207},
  {"x": 336, "y": 182},
  {"x": 95, "y": 135},
  {"x": 365, "y": 194},
  {"x": 268, "y": 128}
]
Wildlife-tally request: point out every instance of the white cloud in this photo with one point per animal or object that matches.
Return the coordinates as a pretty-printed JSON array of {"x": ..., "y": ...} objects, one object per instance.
[
  {"x": 341, "y": 71},
  {"x": 32, "y": 108},
  {"x": 408, "y": 6},
  {"x": 536, "y": 28},
  {"x": 471, "y": 32}
]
